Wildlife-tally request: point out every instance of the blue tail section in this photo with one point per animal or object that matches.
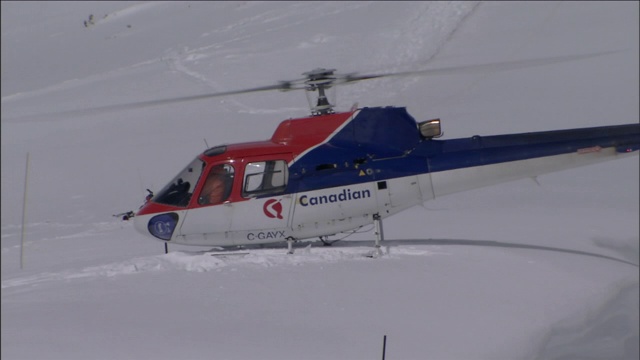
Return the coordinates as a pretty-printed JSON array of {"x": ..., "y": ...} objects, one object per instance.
[
  {"x": 385, "y": 143},
  {"x": 484, "y": 150}
]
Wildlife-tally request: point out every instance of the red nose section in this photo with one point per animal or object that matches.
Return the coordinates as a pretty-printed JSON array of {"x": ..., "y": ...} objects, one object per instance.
[{"x": 154, "y": 208}]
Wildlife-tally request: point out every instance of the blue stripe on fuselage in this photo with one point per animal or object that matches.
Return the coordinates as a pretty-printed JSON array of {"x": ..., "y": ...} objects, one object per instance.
[{"x": 384, "y": 143}]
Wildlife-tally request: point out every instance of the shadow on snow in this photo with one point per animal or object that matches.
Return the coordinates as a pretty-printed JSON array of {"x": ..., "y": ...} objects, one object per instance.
[{"x": 426, "y": 242}]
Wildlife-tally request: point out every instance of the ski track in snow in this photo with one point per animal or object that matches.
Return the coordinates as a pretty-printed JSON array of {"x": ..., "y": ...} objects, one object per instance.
[
  {"x": 443, "y": 19},
  {"x": 609, "y": 329},
  {"x": 439, "y": 18},
  {"x": 179, "y": 60},
  {"x": 75, "y": 83},
  {"x": 60, "y": 231}
]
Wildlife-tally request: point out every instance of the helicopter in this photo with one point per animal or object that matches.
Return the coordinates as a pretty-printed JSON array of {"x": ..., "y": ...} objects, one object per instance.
[{"x": 335, "y": 172}]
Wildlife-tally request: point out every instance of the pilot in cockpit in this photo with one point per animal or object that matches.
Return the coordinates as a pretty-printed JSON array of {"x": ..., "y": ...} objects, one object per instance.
[{"x": 217, "y": 186}]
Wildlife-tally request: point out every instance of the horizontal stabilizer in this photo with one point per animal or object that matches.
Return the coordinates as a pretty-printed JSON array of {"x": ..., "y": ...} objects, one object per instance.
[{"x": 628, "y": 148}]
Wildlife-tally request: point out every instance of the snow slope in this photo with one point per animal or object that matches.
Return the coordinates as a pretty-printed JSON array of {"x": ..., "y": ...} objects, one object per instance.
[{"x": 517, "y": 271}]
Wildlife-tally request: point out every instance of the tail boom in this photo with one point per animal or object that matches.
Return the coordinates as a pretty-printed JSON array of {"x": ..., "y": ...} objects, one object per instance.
[{"x": 464, "y": 164}]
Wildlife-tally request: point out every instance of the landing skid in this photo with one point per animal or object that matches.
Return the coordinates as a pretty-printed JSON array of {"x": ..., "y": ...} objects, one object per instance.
[
  {"x": 377, "y": 252},
  {"x": 290, "y": 241},
  {"x": 326, "y": 242},
  {"x": 224, "y": 255}
]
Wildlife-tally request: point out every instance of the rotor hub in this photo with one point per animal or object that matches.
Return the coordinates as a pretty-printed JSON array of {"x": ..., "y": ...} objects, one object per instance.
[{"x": 320, "y": 80}]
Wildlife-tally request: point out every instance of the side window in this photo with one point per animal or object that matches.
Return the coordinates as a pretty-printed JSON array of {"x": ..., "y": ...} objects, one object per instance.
[
  {"x": 217, "y": 186},
  {"x": 265, "y": 177}
]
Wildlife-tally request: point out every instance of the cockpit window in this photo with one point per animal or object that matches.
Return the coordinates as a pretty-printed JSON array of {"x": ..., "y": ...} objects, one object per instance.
[
  {"x": 217, "y": 186},
  {"x": 265, "y": 177},
  {"x": 179, "y": 191}
]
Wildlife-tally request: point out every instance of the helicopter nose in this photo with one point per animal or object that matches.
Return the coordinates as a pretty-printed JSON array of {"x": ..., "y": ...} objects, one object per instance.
[{"x": 140, "y": 224}]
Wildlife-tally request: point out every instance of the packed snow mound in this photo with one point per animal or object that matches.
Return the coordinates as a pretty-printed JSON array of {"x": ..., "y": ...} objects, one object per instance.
[{"x": 219, "y": 259}]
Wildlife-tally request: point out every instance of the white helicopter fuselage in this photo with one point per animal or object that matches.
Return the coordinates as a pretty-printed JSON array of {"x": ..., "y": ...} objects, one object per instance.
[{"x": 354, "y": 170}]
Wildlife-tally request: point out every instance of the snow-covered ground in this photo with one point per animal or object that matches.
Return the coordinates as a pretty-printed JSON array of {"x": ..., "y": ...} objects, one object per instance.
[{"x": 543, "y": 269}]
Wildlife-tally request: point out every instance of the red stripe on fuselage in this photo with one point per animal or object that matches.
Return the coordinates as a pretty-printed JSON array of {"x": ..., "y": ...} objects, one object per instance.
[
  {"x": 308, "y": 132},
  {"x": 291, "y": 138},
  {"x": 151, "y": 207}
]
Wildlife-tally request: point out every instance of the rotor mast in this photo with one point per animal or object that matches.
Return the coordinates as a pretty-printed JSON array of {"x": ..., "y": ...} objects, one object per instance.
[{"x": 320, "y": 80}]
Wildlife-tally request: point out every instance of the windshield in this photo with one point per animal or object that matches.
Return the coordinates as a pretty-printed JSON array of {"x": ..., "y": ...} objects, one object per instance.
[{"x": 178, "y": 192}]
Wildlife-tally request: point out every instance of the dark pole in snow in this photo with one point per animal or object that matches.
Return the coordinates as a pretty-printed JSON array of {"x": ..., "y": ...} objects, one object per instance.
[
  {"x": 166, "y": 248},
  {"x": 24, "y": 213},
  {"x": 384, "y": 346}
]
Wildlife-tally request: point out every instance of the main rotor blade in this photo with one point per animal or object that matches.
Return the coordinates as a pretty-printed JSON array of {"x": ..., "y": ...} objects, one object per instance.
[
  {"x": 339, "y": 79},
  {"x": 477, "y": 69},
  {"x": 282, "y": 86}
]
